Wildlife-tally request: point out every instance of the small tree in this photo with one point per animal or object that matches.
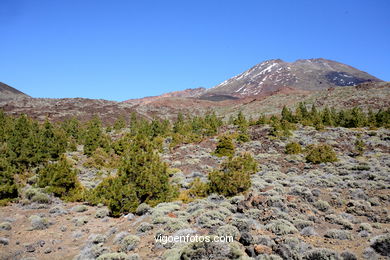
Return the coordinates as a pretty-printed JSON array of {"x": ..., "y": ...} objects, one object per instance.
[
  {"x": 8, "y": 188},
  {"x": 234, "y": 176},
  {"x": 225, "y": 146},
  {"x": 60, "y": 179}
]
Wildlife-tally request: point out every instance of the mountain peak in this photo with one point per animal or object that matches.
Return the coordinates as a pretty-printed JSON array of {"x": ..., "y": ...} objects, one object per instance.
[{"x": 302, "y": 74}]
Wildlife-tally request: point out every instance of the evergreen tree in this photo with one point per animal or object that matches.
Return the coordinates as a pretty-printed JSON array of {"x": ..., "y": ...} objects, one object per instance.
[
  {"x": 8, "y": 188},
  {"x": 287, "y": 115},
  {"x": 60, "y": 179},
  {"x": 234, "y": 176},
  {"x": 94, "y": 136},
  {"x": 120, "y": 123},
  {"x": 225, "y": 146}
]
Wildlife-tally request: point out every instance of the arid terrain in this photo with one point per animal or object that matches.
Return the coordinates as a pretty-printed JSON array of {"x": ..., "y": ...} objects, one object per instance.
[{"x": 293, "y": 208}]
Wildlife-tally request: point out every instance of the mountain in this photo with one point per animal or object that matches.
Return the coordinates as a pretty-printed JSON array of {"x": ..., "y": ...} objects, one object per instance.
[
  {"x": 8, "y": 93},
  {"x": 187, "y": 93},
  {"x": 305, "y": 74}
]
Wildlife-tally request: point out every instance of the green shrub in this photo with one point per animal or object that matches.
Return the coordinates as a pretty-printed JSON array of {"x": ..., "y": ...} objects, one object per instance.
[
  {"x": 8, "y": 189},
  {"x": 234, "y": 176},
  {"x": 359, "y": 147},
  {"x": 198, "y": 189},
  {"x": 225, "y": 146},
  {"x": 320, "y": 153},
  {"x": 142, "y": 178},
  {"x": 60, "y": 179},
  {"x": 293, "y": 148}
]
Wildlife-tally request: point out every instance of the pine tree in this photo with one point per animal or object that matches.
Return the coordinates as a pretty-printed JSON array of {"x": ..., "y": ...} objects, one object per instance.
[
  {"x": 94, "y": 137},
  {"x": 8, "y": 188},
  {"x": 234, "y": 175},
  {"x": 287, "y": 115},
  {"x": 225, "y": 146},
  {"x": 120, "y": 123},
  {"x": 60, "y": 179}
]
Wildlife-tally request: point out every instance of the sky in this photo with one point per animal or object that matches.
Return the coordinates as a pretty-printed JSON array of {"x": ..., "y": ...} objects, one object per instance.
[{"x": 118, "y": 50}]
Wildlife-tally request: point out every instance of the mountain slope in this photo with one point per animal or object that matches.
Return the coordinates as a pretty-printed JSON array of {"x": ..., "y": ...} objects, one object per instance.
[
  {"x": 7, "y": 92},
  {"x": 187, "y": 93},
  {"x": 272, "y": 75}
]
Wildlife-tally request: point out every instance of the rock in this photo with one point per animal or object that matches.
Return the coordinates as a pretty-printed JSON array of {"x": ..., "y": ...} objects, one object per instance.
[
  {"x": 262, "y": 249},
  {"x": 246, "y": 239},
  {"x": 47, "y": 250},
  {"x": 4, "y": 241},
  {"x": 348, "y": 256},
  {"x": 5, "y": 226},
  {"x": 142, "y": 209},
  {"x": 381, "y": 244},
  {"x": 79, "y": 208},
  {"x": 30, "y": 248},
  {"x": 102, "y": 213},
  {"x": 250, "y": 251}
]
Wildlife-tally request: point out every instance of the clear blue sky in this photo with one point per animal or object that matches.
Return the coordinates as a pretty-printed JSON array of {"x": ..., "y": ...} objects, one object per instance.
[{"x": 128, "y": 49}]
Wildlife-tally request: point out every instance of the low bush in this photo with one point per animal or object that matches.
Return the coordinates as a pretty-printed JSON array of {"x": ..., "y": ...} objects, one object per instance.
[
  {"x": 293, "y": 148},
  {"x": 320, "y": 153},
  {"x": 234, "y": 176}
]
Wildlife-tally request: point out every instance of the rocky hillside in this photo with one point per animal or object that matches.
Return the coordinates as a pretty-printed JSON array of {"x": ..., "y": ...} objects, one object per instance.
[
  {"x": 187, "y": 93},
  {"x": 294, "y": 210},
  {"x": 9, "y": 93},
  {"x": 272, "y": 75}
]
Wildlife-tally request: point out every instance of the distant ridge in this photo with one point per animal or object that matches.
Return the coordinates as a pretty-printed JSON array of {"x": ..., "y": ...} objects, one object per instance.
[{"x": 8, "y": 93}]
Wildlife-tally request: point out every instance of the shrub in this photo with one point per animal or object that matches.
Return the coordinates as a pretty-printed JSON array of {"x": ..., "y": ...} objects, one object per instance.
[
  {"x": 293, "y": 148},
  {"x": 225, "y": 146},
  {"x": 101, "y": 159},
  {"x": 281, "y": 227},
  {"x": 8, "y": 189},
  {"x": 129, "y": 243},
  {"x": 60, "y": 179},
  {"x": 321, "y": 254},
  {"x": 142, "y": 178},
  {"x": 234, "y": 176},
  {"x": 338, "y": 234},
  {"x": 198, "y": 189},
  {"x": 359, "y": 147},
  {"x": 38, "y": 223},
  {"x": 320, "y": 153},
  {"x": 322, "y": 205}
]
